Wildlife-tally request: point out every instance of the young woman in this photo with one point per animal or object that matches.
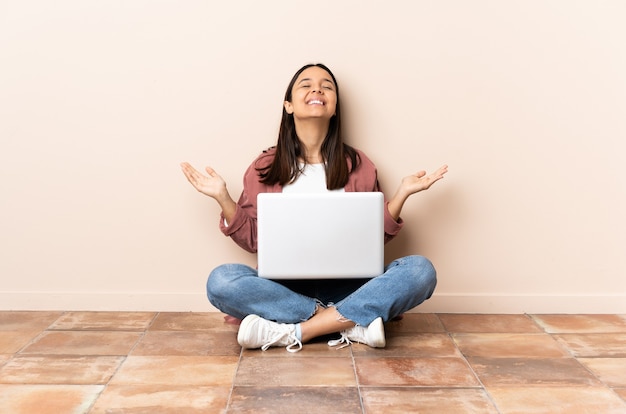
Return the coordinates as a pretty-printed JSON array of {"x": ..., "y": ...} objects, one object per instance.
[{"x": 311, "y": 156}]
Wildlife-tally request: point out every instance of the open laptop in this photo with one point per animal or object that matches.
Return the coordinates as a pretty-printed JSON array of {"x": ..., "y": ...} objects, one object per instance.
[{"x": 317, "y": 236}]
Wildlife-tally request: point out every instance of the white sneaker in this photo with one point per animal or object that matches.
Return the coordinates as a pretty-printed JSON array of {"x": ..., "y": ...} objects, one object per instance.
[
  {"x": 256, "y": 332},
  {"x": 373, "y": 335}
]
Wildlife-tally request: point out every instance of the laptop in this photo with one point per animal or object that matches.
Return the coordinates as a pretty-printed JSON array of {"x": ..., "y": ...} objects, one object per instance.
[{"x": 320, "y": 236}]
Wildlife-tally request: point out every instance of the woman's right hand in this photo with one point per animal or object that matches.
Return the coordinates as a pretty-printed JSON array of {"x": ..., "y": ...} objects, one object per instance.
[{"x": 212, "y": 184}]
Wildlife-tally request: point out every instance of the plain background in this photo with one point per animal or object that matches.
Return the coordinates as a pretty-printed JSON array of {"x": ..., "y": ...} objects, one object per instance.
[{"x": 101, "y": 100}]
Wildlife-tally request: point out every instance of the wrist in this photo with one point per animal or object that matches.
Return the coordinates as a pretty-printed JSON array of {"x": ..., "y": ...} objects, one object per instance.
[
  {"x": 225, "y": 201},
  {"x": 401, "y": 195}
]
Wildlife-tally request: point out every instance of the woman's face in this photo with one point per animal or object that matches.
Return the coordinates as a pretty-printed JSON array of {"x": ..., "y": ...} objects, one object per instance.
[{"x": 314, "y": 95}]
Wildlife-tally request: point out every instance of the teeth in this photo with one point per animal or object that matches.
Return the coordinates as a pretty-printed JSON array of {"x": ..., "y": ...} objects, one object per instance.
[{"x": 316, "y": 102}]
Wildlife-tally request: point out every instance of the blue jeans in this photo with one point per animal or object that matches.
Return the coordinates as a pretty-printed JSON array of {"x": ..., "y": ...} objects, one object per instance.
[{"x": 236, "y": 290}]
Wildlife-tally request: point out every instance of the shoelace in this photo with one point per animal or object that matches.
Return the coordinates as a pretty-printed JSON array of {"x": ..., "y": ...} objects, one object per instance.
[
  {"x": 288, "y": 336},
  {"x": 296, "y": 343},
  {"x": 343, "y": 340}
]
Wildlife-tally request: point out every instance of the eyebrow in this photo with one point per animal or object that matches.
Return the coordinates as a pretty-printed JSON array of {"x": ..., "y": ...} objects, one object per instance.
[{"x": 309, "y": 79}]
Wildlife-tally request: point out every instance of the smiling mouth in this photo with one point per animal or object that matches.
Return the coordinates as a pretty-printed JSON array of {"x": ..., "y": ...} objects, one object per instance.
[{"x": 315, "y": 102}]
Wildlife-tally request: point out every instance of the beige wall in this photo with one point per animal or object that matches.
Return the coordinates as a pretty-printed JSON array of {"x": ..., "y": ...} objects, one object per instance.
[{"x": 101, "y": 100}]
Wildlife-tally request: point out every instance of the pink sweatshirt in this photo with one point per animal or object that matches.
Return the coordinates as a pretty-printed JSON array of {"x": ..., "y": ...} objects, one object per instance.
[{"x": 243, "y": 230}]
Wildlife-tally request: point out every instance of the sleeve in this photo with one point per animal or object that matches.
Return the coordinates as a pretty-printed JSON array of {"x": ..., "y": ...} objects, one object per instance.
[
  {"x": 392, "y": 226},
  {"x": 242, "y": 229},
  {"x": 365, "y": 178}
]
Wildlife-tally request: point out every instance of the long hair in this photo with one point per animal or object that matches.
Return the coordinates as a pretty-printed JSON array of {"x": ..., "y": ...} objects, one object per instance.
[{"x": 285, "y": 168}]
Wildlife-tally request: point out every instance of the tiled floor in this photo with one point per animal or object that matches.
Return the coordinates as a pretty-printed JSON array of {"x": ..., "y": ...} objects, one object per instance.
[{"x": 120, "y": 362}]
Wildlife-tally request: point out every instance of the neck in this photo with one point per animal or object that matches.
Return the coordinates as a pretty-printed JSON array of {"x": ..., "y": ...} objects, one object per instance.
[{"x": 311, "y": 136}]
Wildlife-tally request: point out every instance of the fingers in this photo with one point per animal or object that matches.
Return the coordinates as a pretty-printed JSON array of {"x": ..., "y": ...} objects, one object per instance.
[
  {"x": 188, "y": 170},
  {"x": 423, "y": 181},
  {"x": 193, "y": 175},
  {"x": 191, "y": 172},
  {"x": 438, "y": 174},
  {"x": 442, "y": 170},
  {"x": 211, "y": 172}
]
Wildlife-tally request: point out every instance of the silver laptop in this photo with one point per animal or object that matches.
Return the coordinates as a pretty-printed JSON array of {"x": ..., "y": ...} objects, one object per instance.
[{"x": 317, "y": 236}]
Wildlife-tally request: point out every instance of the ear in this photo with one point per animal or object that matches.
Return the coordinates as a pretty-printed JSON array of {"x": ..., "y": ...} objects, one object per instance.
[{"x": 288, "y": 107}]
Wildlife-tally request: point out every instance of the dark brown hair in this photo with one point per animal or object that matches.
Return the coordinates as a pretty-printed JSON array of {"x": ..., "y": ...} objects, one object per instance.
[{"x": 285, "y": 167}]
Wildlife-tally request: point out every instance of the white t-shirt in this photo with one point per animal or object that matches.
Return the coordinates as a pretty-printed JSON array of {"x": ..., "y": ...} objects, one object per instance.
[{"x": 311, "y": 180}]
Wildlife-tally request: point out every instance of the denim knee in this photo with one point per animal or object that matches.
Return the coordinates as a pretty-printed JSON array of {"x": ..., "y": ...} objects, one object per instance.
[
  {"x": 425, "y": 275},
  {"x": 217, "y": 283}
]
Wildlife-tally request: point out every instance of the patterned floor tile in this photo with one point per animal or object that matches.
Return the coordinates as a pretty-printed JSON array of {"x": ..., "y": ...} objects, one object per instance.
[
  {"x": 27, "y": 320},
  {"x": 289, "y": 400},
  {"x": 416, "y": 346},
  {"x": 59, "y": 370},
  {"x": 611, "y": 371},
  {"x": 556, "y": 400},
  {"x": 293, "y": 371},
  {"x": 47, "y": 399},
  {"x": 192, "y": 321},
  {"x": 621, "y": 392},
  {"x": 12, "y": 341},
  {"x": 161, "y": 399},
  {"x": 5, "y": 358},
  {"x": 318, "y": 349},
  {"x": 488, "y": 323},
  {"x": 104, "y": 321},
  {"x": 582, "y": 323},
  {"x": 426, "y": 401},
  {"x": 83, "y": 343},
  {"x": 424, "y": 372},
  {"x": 177, "y": 370},
  {"x": 594, "y": 345},
  {"x": 414, "y": 323},
  {"x": 531, "y": 371},
  {"x": 512, "y": 345},
  {"x": 187, "y": 343}
]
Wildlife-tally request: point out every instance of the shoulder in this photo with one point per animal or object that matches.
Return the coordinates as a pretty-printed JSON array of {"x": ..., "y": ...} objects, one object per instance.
[
  {"x": 261, "y": 162},
  {"x": 364, "y": 158},
  {"x": 264, "y": 159},
  {"x": 365, "y": 163},
  {"x": 364, "y": 176}
]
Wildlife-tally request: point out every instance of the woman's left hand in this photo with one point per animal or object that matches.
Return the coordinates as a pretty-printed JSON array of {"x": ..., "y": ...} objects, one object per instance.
[
  {"x": 421, "y": 181},
  {"x": 412, "y": 184}
]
